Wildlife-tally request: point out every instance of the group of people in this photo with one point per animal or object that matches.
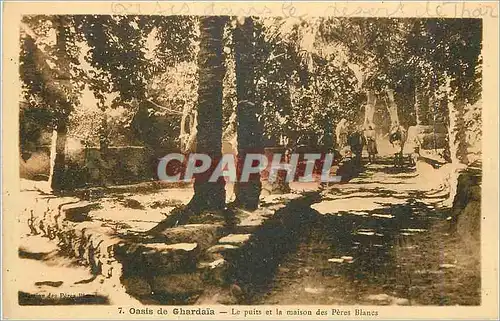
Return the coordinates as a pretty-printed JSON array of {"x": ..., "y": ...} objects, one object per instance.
[{"x": 351, "y": 140}]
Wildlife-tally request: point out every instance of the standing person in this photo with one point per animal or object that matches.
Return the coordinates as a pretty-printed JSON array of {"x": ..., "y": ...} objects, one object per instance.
[
  {"x": 356, "y": 142},
  {"x": 397, "y": 138},
  {"x": 371, "y": 144}
]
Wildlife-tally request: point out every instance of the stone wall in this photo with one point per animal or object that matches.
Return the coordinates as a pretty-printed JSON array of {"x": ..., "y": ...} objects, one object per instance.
[
  {"x": 64, "y": 220},
  {"x": 121, "y": 165},
  {"x": 202, "y": 262},
  {"x": 428, "y": 137},
  {"x": 466, "y": 211}
]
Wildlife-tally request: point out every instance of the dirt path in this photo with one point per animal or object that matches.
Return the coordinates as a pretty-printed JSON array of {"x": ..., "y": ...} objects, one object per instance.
[{"x": 382, "y": 239}]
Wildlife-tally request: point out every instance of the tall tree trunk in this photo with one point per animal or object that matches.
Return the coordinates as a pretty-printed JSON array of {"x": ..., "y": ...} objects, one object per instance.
[
  {"x": 427, "y": 100},
  {"x": 456, "y": 139},
  {"x": 418, "y": 101},
  {"x": 460, "y": 131},
  {"x": 104, "y": 134},
  {"x": 103, "y": 149},
  {"x": 434, "y": 107},
  {"x": 249, "y": 133},
  {"x": 371, "y": 101},
  {"x": 187, "y": 134},
  {"x": 58, "y": 157},
  {"x": 456, "y": 129},
  {"x": 210, "y": 195},
  {"x": 392, "y": 108},
  {"x": 62, "y": 80}
]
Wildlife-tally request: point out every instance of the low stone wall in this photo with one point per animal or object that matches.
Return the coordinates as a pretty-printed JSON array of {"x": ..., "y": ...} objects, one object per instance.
[
  {"x": 428, "y": 137},
  {"x": 120, "y": 165},
  {"x": 65, "y": 221},
  {"x": 466, "y": 210},
  {"x": 206, "y": 262}
]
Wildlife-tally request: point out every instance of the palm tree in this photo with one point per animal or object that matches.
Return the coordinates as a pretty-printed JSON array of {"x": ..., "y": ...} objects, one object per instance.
[
  {"x": 211, "y": 70},
  {"x": 249, "y": 131}
]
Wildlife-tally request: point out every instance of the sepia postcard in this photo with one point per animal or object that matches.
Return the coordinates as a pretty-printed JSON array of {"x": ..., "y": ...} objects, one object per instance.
[{"x": 250, "y": 160}]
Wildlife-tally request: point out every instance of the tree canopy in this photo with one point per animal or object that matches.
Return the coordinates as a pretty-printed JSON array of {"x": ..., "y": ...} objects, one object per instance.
[{"x": 308, "y": 73}]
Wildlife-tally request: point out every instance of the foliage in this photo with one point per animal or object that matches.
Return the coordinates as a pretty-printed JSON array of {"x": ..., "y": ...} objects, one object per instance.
[
  {"x": 303, "y": 88},
  {"x": 126, "y": 51},
  {"x": 449, "y": 51},
  {"x": 46, "y": 64},
  {"x": 450, "y": 47},
  {"x": 309, "y": 73},
  {"x": 116, "y": 57}
]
